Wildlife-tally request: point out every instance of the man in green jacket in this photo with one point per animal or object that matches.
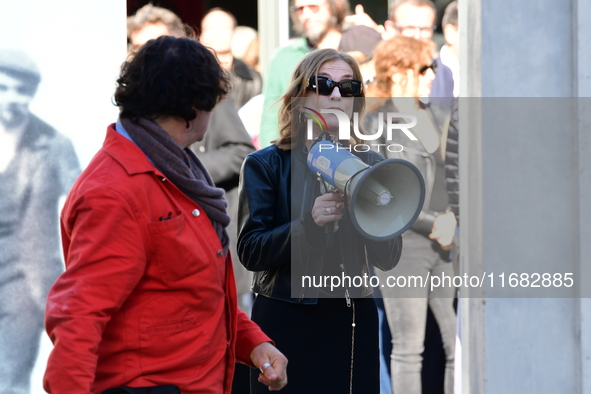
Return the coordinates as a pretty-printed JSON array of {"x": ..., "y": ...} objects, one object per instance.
[{"x": 319, "y": 23}]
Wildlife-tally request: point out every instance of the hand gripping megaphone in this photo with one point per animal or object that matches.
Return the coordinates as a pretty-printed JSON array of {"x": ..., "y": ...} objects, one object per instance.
[{"x": 384, "y": 199}]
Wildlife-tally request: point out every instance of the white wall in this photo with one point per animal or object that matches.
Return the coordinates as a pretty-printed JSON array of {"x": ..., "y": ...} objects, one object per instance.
[{"x": 525, "y": 191}]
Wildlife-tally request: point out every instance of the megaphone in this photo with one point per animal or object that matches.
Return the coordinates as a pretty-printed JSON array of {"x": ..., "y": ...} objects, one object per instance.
[{"x": 385, "y": 199}]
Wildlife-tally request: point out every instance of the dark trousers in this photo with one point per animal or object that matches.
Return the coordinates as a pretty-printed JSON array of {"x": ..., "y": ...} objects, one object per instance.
[{"x": 317, "y": 339}]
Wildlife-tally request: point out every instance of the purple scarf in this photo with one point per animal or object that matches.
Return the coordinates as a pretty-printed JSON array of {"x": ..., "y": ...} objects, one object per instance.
[{"x": 183, "y": 169}]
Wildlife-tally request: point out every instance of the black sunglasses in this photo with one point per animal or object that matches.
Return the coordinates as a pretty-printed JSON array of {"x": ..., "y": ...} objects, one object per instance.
[
  {"x": 347, "y": 87},
  {"x": 432, "y": 66}
]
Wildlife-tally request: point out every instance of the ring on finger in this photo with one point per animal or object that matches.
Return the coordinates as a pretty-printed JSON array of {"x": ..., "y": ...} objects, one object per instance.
[
  {"x": 329, "y": 211},
  {"x": 264, "y": 366}
]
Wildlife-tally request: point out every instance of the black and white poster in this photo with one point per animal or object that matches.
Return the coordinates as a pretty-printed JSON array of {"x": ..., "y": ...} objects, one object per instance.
[{"x": 58, "y": 66}]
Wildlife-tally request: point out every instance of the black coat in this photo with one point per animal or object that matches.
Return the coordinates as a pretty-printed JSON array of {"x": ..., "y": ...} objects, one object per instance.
[{"x": 277, "y": 237}]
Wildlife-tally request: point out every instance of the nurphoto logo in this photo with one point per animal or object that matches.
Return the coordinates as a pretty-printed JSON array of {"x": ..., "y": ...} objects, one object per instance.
[{"x": 393, "y": 123}]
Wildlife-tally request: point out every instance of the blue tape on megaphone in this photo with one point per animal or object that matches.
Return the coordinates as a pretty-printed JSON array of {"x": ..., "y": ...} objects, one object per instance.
[{"x": 325, "y": 156}]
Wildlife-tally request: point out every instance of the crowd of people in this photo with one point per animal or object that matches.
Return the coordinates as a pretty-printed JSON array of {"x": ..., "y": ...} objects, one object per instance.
[{"x": 184, "y": 234}]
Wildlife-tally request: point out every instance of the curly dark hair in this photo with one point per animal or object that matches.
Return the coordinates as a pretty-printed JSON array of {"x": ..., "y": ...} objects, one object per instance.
[{"x": 170, "y": 76}]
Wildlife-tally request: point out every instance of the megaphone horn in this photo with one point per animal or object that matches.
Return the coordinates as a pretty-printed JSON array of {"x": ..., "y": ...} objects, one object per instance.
[{"x": 385, "y": 199}]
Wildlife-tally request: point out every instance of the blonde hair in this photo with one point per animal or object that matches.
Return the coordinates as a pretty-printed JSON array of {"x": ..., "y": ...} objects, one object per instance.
[
  {"x": 398, "y": 54},
  {"x": 290, "y": 129}
]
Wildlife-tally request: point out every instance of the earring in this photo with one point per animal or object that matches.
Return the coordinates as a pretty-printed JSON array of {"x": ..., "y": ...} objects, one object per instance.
[{"x": 300, "y": 120}]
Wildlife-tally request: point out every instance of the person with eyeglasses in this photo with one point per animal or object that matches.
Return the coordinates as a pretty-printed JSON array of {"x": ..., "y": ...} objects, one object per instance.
[
  {"x": 319, "y": 24},
  {"x": 412, "y": 18},
  {"x": 404, "y": 72},
  {"x": 417, "y": 19},
  {"x": 330, "y": 335}
]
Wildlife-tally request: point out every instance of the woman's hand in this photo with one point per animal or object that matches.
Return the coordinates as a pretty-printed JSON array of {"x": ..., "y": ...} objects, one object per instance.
[
  {"x": 444, "y": 229},
  {"x": 328, "y": 208}
]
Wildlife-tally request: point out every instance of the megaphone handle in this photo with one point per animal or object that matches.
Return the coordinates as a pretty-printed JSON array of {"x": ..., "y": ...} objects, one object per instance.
[{"x": 329, "y": 228}]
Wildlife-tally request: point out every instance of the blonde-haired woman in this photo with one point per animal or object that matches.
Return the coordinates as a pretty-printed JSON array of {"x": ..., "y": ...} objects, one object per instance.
[
  {"x": 404, "y": 72},
  {"x": 329, "y": 335}
]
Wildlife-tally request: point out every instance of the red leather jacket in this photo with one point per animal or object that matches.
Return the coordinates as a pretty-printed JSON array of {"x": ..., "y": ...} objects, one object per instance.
[{"x": 143, "y": 301}]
